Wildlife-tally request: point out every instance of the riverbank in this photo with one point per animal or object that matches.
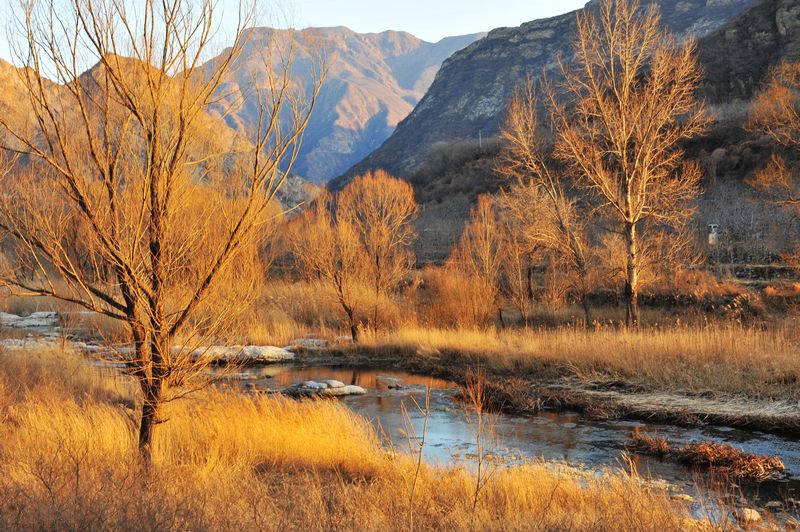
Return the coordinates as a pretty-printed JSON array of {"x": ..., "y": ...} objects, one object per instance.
[
  {"x": 731, "y": 376},
  {"x": 228, "y": 460}
]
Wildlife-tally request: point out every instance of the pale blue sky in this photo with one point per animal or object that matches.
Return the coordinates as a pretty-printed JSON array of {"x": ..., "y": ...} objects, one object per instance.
[{"x": 427, "y": 19}]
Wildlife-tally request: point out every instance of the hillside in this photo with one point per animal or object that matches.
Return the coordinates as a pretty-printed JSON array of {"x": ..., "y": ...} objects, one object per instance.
[
  {"x": 374, "y": 81},
  {"x": 738, "y": 55},
  {"x": 15, "y": 106},
  {"x": 468, "y": 97}
]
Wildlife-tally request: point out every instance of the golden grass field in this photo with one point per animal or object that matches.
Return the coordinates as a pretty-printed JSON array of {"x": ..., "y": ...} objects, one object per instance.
[
  {"x": 730, "y": 359},
  {"x": 227, "y": 461},
  {"x": 759, "y": 359}
]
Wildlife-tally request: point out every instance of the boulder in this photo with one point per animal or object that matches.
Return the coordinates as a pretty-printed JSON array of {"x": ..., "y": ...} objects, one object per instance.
[{"x": 328, "y": 388}]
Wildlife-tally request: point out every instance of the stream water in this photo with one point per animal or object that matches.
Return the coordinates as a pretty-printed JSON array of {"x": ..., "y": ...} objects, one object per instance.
[{"x": 558, "y": 437}]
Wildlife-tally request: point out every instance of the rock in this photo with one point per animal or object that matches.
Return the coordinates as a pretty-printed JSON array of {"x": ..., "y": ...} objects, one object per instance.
[
  {"x": 469, "y": 94},
  {"x": 328, "y": 388},
  {"x": 748, "y": 515},
  {"x": 344, "y": 390},
  {"x": 248, "y": 353},
  {"x": 311, "y": 385}
]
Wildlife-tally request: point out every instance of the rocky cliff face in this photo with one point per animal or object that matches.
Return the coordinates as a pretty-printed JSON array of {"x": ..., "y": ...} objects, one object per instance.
[
  {"x": 469, "y": 94},
  {"x": 738, "y": 55},
  {"x": 374, "y": 81}
]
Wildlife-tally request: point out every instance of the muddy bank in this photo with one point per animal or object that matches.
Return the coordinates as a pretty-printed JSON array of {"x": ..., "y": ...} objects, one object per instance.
[{"x": 527, "y": 393}]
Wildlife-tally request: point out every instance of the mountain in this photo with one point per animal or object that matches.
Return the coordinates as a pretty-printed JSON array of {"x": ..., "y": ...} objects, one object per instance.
[
  {"x": 374, "y": 81},
  {"x": 468, "y": 97},
  {"x": 218, "y": 137},
  {"x": 738, "y": 56}
]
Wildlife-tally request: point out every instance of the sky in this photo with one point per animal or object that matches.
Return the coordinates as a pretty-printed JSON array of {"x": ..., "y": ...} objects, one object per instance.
[{"x": 429, "y": 20}]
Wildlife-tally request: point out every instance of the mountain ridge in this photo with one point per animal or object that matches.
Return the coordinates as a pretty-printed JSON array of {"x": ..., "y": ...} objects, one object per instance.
[
  {"x": 468, "y": 97},
  {"x": 374, "y": 80}
]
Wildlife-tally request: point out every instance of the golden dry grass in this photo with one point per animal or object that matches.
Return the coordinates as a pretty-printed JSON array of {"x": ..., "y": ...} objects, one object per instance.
[
  {"x": 726, "y": 358},
  {"x": 228, "y": 461}
]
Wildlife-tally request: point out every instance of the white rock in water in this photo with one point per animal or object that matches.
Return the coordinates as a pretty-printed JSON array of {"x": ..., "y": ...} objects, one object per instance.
[
  {"x": 344, "y": 390},
  {"x": 311, "y": 385},
  {"x": 330, "y": 388},
  {"x": 37, "y": 320},
  {"x": 748, "y": 515}
]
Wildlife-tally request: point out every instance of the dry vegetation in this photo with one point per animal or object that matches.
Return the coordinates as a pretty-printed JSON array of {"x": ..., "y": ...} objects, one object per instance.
[
  {"x": 76, "y": 443},
  {"x": 673, "y": 352},
  {"x": 229, "y": 461},
  {"x": 731, "y": 360},
  {"x": 723, "y": 458}
]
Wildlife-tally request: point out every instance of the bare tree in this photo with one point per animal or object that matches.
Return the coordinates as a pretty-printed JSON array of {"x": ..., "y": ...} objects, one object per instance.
[
  {"x": 537, "y": 200},
  {"x": 629, "y": 103},
  {"x": 381, "y": 209},
  {"x": 480, "y": 252},
  {"x": 776, "y": 112},
  {"x": 121, "y": 200},
  {"x": 516, "y": 269},
  {"x": 329, "y": 249}
]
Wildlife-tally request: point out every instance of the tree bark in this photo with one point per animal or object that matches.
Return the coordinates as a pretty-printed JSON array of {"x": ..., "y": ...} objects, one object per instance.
[
  {"x": 587, "y": 311},
  {"x": 352, "y": 321},
  {"x": 149, "y": 418},
  {"x": 500, "y": 317},
  {"x": 632, "y": 279},
  {"x": 530, "y": 283}
]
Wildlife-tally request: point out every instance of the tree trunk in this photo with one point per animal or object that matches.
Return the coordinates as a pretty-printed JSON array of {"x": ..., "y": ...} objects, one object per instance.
[
  {"x": 375, "y": 310},
  {"x": 149, "y": 419},
  {"x": 500, "y": 317},
  {"x": 351, "y": 319},
  {"x": 530, "y": 283},
  {"x": 585, "y": 290},
  {"x": 152, "y": 384},
  {"x": 632, "y": 280},
  {"x": 587, "y": 311}
]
